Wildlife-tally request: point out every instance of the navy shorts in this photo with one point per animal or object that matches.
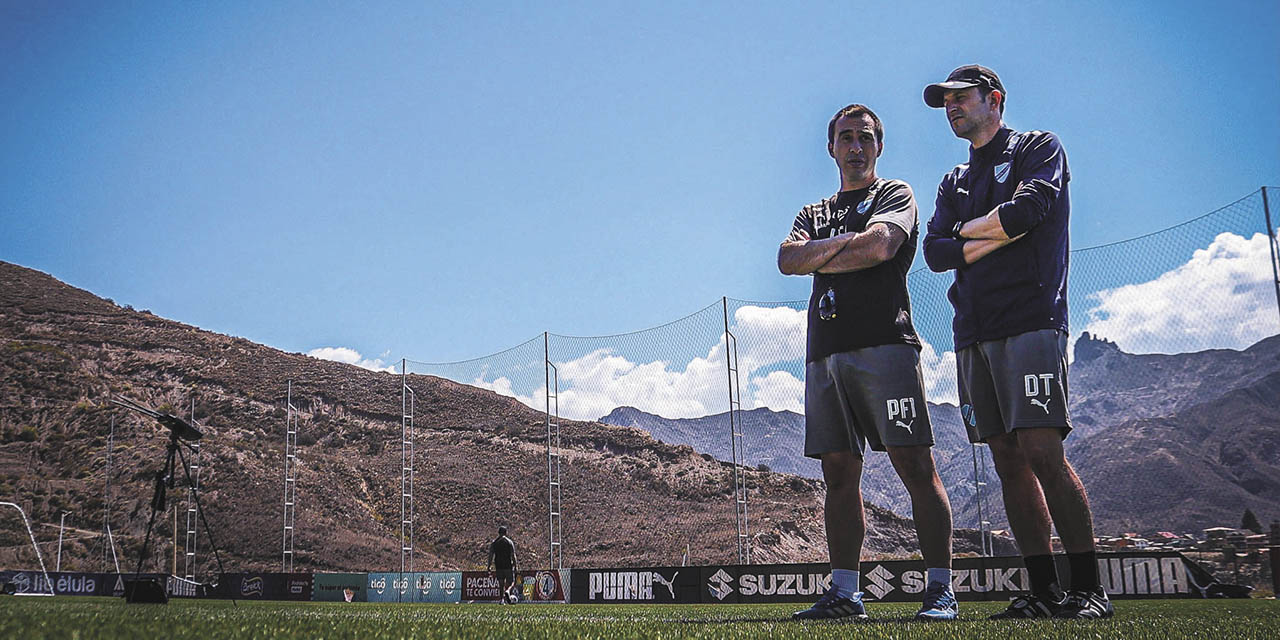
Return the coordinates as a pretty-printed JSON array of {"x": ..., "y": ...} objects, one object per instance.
[{"x": 1014, "y": 383}]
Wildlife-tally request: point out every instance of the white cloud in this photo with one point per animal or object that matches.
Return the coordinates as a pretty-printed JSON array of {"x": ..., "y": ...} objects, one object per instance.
[
  {"x": 768, "y": 336},
  {"x": 502, "y": 386},
  {"x": 595, "y": 384},
  {"x": 1222, "y": 298},
  {"x": 598, "y": 382},
  {"x": 779, "y": 390},
  {"x": 939, "y": 373},
  {"x": 351, "y": 356}
]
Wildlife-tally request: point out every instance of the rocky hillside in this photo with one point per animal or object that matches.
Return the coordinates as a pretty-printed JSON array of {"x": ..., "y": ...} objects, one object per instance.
[
  {"x": 481, "y": 458},
  {"x": 1110, "y": 387},
  {"x": 1201, "y": 466}
]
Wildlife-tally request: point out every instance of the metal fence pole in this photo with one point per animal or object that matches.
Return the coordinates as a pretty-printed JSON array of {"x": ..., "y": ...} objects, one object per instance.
[
  {"x": 62, "y": 523},
  {"x": 978, "y": 484},
  {"x": 1271, "y": 242},
  {"x": 106, "y": 500},
  {"x": 736, "y": 444}
]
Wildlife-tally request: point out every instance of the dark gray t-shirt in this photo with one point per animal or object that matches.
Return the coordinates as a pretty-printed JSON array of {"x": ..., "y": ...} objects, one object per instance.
[
  {"x": 504, "y": 553},
  {"x": 872, "y": 305}
]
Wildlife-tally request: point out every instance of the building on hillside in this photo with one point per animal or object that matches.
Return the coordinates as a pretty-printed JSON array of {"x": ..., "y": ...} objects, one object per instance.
[
  {"x": 1257, "y": 541},
  {"x": 1216, "y": 537}
]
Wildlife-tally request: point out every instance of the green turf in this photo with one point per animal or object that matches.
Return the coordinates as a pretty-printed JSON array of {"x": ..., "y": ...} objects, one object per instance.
[{"x": 31, "y": 618}]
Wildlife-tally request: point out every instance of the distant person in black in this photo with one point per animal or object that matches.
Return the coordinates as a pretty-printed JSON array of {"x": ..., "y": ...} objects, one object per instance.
[{"x": 502, "y": 557}]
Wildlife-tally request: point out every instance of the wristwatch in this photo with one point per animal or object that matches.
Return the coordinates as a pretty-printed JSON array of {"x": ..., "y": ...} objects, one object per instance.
[{"x": 955, "y": 231}]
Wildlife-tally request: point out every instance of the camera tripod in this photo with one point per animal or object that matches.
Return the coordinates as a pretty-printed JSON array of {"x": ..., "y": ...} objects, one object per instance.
[{"x": 164, "y": 480}]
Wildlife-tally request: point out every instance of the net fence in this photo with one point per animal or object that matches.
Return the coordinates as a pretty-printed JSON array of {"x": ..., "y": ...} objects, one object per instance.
[{"x": 1206, "y": 284}]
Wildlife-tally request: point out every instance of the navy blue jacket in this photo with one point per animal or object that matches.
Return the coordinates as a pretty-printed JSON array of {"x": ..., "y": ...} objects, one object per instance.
[{"x": 1022, "y": 286}]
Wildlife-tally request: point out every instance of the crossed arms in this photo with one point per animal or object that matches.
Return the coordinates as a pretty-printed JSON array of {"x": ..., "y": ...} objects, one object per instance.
[
  {"x": 983, "y": 235},
  {"x": 1039, "y": 184},
  {"x": 844, "y": 253}
]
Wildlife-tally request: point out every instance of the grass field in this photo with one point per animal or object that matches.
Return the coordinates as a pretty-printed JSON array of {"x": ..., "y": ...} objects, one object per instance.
[{"x": 30, "y": 618}]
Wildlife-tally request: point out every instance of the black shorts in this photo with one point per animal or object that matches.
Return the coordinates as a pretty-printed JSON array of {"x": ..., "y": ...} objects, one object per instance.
[
  {"x": 506, "y": 574},
  {"x": 1014, "y": 383}
]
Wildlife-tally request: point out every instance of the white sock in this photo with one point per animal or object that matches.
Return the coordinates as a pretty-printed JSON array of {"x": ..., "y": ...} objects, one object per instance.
[
  {"x": 845, "y": 581},
  {"x": 940, "y": 575}
]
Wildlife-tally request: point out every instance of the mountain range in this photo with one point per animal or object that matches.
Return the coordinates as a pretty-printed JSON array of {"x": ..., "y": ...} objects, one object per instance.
[{"x": 1162, "y": 442}]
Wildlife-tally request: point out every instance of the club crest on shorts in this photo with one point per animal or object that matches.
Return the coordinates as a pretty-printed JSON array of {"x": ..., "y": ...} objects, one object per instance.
[
  {"x": 1002, "y": 172},
  {"x": 967, "y": 413}
]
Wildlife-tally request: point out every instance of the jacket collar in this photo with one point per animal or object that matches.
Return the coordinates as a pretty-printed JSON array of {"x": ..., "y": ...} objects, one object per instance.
[{"x": 989, "y": 151}]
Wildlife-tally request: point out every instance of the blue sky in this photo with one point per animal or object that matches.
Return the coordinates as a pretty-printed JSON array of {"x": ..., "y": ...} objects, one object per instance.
[{"x": 442, "y": 181}]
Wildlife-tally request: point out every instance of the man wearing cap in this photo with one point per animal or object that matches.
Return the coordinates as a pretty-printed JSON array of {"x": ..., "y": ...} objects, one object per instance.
[
  {"x": 1000, "y": 223},
  {"x": 863, "y": 383}
]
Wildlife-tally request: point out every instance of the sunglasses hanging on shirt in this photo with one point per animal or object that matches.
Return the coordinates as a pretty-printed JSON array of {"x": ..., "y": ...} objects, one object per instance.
[{"x": 827, "y": 305}]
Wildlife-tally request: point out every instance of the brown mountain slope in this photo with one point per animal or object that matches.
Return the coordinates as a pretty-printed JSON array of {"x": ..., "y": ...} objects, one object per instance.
[
  {"x": 629, "y": 500},
  {"x": 1203, "y": 465}
]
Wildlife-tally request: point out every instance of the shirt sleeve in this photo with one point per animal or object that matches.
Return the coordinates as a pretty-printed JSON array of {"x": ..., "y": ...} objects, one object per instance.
[
  {"x": 1041, "y": 176},
  {"x": 897, "y": 207},
  {"x": 802, "y": 228},
  {"x": 941, "y": 251}
]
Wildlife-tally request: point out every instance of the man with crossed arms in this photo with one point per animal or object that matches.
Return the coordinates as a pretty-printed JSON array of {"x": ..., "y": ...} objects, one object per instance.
[
  {"x": 862, "y": 374},
  {"x": 1001, "y": 223}
]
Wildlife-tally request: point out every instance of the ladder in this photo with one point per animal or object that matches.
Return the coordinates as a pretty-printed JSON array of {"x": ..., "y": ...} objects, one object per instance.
[
  {"x": 555, "y": 531},
  {"x": 290, "y": 481},
  {"x": 408, "y": 399},
  {"x": 189, "y": 556},
  {"x": 739, "y": 452}
]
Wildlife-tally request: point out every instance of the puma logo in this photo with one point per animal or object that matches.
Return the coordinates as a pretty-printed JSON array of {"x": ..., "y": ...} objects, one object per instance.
[
  {"x": 906, "y": 426},
  {"x": 669, "y": 584},
  {"x": 1043, "y": 405}
]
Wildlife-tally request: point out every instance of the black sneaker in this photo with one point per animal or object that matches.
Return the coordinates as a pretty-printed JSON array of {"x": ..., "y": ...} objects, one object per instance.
[
  {"x": 831, "y": 606},
  {"x": 1086, "y": 605},
  {"x": 1024, "y": 607}
]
